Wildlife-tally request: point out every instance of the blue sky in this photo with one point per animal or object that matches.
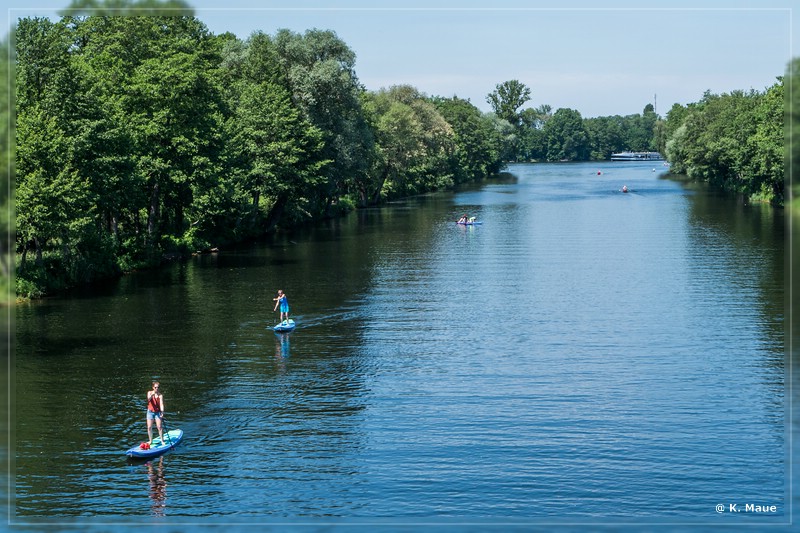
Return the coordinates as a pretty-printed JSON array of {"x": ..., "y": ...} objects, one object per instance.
[{"x": 600, "y": 58}]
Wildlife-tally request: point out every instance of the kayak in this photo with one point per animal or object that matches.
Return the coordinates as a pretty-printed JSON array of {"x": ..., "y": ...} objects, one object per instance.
[
  {"x": 475, "y": 223},
  {"x": 172, "y": 438},
  {"x": 285, "y": 325}
]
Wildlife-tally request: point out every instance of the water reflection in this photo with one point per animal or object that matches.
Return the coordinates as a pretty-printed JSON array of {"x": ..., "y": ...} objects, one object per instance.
[
  {"x": 158, "y": 486},
  {"x": 282, "y": 345}
]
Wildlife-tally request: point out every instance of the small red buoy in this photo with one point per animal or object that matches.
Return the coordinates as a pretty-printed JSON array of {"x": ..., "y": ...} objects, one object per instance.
[{"x": 598, "y": 172}]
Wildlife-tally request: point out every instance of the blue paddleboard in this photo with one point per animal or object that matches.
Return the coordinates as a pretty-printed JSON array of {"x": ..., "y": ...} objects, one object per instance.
[
  {"x": 171, "y": 439},
  {"x": 475, "y": 223},
  {"x": 285, "y": 325}
]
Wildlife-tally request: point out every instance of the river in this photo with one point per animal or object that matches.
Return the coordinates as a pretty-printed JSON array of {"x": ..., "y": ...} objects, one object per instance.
[{"x": 583, "y": 356}]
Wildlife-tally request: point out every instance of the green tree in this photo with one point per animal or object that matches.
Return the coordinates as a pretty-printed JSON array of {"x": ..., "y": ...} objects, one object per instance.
[
  {"x": 792, "y": 132},
  {"x": 733, "y": 140},
  {"x": 414, "y": 144},
  {"x": 118, "y": 122},
  {"x": 320, "y": 70},
  {"x": 477, "y": 144},
  {"x": 767, "y": 145},
  {"x": 507, "y": 98},
  {"x": 638, "y": 132},
  {"x": 55, "y": 201},
  {"x": 122, "y": 8},
  {"x": 566, "y": 137},
  {"x": 276, "y": 148},
  {"x": 531, "y": 143},
  {"x": 6, "y": 179},
  {"x": 605, "y": 136},
  {"x": 101, "y": 46},
  {"x": 172, "y": 107}
]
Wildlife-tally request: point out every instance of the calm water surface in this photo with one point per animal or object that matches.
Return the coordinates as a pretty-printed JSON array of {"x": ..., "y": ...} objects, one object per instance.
[{"x": 584, "y": 355}]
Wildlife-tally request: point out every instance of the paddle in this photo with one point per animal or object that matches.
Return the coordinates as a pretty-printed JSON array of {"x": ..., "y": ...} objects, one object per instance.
[{"x": 166, "y": 432}]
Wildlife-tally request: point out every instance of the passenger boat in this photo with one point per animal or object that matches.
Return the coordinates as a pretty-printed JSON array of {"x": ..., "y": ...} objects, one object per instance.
[{"x": 637, "y": 156}]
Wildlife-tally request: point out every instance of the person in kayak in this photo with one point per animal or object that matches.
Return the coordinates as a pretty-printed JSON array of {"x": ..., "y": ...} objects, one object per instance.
[
  {"x": 284, "y": 303},
  {"x": 155, "y": 411}
]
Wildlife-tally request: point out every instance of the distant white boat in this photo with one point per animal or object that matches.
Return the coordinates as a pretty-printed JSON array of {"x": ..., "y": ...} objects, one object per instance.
[{"x": 637, "y": 156}]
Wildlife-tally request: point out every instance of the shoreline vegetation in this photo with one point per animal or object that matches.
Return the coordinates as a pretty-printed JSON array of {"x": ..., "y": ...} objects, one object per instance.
[{"x": 142, "y": 138}]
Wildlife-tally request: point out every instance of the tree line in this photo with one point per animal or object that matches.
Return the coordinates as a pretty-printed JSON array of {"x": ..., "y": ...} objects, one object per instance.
[
  {"x": 735, "y": 140},
  {"x": 141, "y": 137},
  {"x": 541, "y": 134}
]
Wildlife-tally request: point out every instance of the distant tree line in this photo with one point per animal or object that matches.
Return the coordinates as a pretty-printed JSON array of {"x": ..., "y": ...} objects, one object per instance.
[
  {"x": 143, "y": 137},
  {"x": 736, "y": 141},
  {"x": 541, "y": 134}
]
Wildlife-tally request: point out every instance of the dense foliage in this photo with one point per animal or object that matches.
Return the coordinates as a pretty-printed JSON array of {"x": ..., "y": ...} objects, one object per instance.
[
  {"x": 793, "y": 132},
  {"x": 564, "y": 135},
  {"x": 6, "y": 179},
  {"x": 732, "y": 140},
  {"x": 144, "y": 137}
]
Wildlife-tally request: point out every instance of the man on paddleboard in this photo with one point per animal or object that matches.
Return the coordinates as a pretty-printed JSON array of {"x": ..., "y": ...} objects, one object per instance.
[
  {"x": 155, "y": 411},
  {"x": 284, "y": 303}
]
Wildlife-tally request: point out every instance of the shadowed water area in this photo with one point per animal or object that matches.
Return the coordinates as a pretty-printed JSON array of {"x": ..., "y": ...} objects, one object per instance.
[{"x": 583, "y": 355}]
